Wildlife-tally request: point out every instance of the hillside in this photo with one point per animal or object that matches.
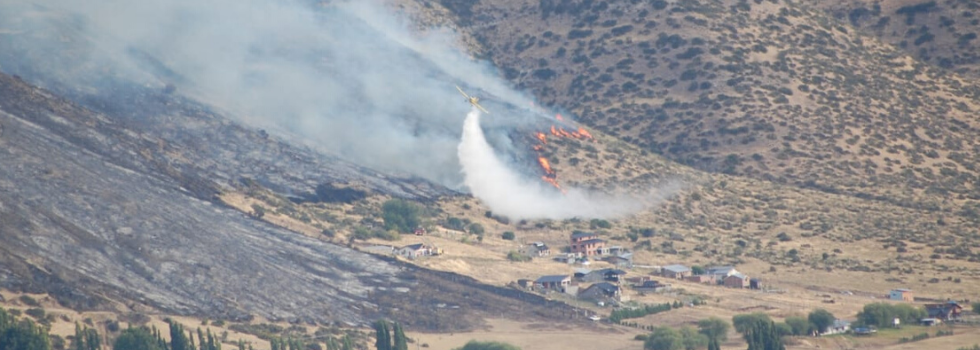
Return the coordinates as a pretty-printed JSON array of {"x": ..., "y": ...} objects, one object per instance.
[
  {"x": 106, "y": 217},
  {"x": 942, "y": 33},
  {"x": 778, "y": 92}
]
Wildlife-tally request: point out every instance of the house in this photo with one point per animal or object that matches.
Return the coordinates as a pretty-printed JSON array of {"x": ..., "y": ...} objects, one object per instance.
[
  {"x": 651, "y": 287},
  {"x": 901, "y": 294},
  {"x": 537, "y": 249},
  {"x": 580, "y": 274},
  {"x": 676, "y": 271},
  {"x": 838, "y": 327},
  {"x": 618, "y": 250},
  {"x": 601, "y": 291},
  {"x": 553, "y": 282},
  {"x": 701, "y": 279},
  {"x": 949, "y": 310},
  {"x": 525, "y": 283},
  {"x": 413, "y": 251},
  {"x": 608, "y": 275},
  {"x": 582, "y": 236},
  {"x": 720, "y": 272},
  {"x": 620, "y": 260},
  {"x": 755, "y": 283},
  {"x": 566, "y": 258},
  {"x": 638, "y": 279},
  {"x": 736, "y": 280},
  {"x": 587, "y": 244}
]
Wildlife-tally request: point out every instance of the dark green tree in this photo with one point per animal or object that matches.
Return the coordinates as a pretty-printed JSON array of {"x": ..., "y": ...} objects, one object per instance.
[
  {"x": 382, "y": 335},
  {"x": 664, "y": 338},
  {"x": 691, "y": 339},
  {"x": 137, "y": 339},
  {"x": 821, "y": 319},
  {"x": 348, "y": 343},
  {"x": 798, "y": 325},
  {"x": 178, "y": 338},
  {"x": 401, "y": 215},
  {"x": 401, "y": 342},
  {"x": 713, "y": 344},
  {"x": 714, "y": 328},
  {"x": 476, "y": 345}
]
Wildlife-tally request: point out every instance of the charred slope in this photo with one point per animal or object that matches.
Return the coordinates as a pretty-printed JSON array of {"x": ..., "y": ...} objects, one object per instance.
[{"x": 86, "y": 215}]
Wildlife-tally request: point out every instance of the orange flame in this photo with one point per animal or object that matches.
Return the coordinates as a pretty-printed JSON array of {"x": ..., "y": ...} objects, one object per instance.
[
  {"x": 553, "y": 182},
  {"x": 553, "y": 132},
  {"x": 585, "y": 133},
  {"x": 541, "y": 137},
  {"x": 558, "y": 116},
  {"x": 545, "y": 165}
]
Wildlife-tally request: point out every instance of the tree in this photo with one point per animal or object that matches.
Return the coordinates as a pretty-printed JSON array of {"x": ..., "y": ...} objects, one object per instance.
[
  {"x": 401, "y": 342},
  {"x": 798, "y": 325},
  {"x": 23, "y": 334},
  {"x": 714, "y": 328},
  {"x": 508, "y": 235},
  {"x": 691, "y": 339},
  {"x": 713, "y": 344},
  {"x": 476, "y": 345},
  {"x": 137, "y": 339},
  {"x": 759, "y": 331},
  {"x": 697, "y": 270},
  {"x": 976, "y": 307},
  {"x": 883, "y": 314},
  {"x": 383, "y": 336},
  {"x": 401, "y": 215},
  {"x": 476, "y": 229},
  {"x": 454, "y": 223},
  {"x": 821, "y": 319},
  {"x": 664, "y": 338},
  {"x": 348, "y": 343}
]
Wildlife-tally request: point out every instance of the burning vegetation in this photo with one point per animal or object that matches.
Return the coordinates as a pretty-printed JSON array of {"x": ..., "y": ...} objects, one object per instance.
[{"x": 559, "y": 132}]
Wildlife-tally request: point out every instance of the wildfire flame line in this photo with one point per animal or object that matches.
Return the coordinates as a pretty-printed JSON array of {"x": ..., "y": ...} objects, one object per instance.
[{"x": 549, "y": 174}]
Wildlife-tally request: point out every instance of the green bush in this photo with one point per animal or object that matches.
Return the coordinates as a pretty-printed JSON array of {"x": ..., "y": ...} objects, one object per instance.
[
  {"x": 477, "y": 345},
  {"x": 514, "y": 255},
  {"x": 508, "y": 235},
  {"x": 401, "y": 215}
]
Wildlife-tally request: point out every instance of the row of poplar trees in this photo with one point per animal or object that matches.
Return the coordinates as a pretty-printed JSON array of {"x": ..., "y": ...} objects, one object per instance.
[
  {"x": 385, "y": 333},
  {"x": 143, "y": 338}
]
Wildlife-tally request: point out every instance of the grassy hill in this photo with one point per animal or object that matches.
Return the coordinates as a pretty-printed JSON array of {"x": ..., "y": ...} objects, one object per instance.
[
  {"x": 807, "y": 147},
  {"x": 772, "y": 91},
  {"x": 942, "y": 33}
]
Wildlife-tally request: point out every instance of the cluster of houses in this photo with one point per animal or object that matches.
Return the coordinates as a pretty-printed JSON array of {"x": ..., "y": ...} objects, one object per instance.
[
  {"x": 604, "y": 285},
  {"x": 936, "y": 312},
  {"x": 586, "y": 246},
  {"x": 723, "y": 275},
  {"x": 411, "y": 251}
]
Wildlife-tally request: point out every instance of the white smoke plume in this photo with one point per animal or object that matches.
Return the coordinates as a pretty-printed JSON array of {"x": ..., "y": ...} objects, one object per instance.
[{"x": 507, "y": 193}]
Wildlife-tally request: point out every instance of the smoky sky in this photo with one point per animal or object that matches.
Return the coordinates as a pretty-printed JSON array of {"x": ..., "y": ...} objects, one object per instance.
[{"x": 348, "y": 78}]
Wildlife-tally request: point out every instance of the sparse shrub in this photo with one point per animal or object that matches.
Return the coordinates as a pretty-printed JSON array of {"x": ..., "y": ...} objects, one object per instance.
[
  {"x": 35, "y": 312},
  {"x": 29, "y": 301},
  {"x": 507, "y": 235},
  {"x": 516, "y": 256}
]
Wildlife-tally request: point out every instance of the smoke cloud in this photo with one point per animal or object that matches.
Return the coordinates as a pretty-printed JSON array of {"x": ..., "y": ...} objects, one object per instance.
[
  {"x": 507, "y": 193},
  {"x": 347, "y": 78}
]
